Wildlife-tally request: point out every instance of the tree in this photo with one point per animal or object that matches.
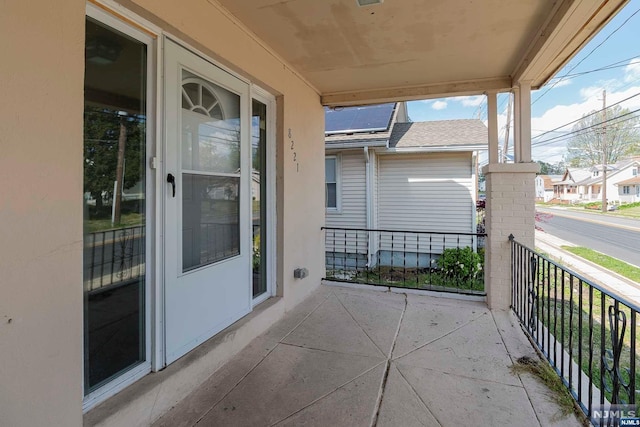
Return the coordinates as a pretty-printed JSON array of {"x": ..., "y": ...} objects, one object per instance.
[
  {"x": 101, "y": 133},
  {"x": 612, "y": 134},
  {"x": 551, "y": 169}
]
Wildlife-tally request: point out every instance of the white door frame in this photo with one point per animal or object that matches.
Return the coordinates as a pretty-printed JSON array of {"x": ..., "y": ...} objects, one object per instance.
[{"x": 269, "y": 100}]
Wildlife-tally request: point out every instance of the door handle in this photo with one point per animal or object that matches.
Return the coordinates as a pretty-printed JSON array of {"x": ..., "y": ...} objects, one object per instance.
[{"x": 172, "y": 180}]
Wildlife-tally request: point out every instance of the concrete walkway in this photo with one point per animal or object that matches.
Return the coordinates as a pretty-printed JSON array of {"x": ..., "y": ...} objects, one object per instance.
[{"x": 351, "y": 357}]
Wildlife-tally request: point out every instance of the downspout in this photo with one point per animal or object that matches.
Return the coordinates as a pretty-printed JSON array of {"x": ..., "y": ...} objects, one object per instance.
[
  {"x": 474, "y": 192},
  {"x": 368, "y": 203}
]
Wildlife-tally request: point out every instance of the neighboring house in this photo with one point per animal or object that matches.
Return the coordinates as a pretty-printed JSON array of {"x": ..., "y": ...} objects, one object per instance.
[
  {"x": 627, "y": 188},
  {"x": 584, "y": 185},
  {"x": 569, "y": 189},
  {"x": 418, "y": 176},
  {"x": 544, "y": 187},
  {"x": 621, "y": 171}
]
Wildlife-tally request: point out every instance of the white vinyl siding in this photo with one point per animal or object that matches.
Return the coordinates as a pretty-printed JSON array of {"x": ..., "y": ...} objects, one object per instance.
[
  {"x": 429, "y": 192},
  {"x": 352, "y": 212}
]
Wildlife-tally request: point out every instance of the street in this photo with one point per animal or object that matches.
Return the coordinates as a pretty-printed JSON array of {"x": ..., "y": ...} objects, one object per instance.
[{"x": 616, "y": 237}]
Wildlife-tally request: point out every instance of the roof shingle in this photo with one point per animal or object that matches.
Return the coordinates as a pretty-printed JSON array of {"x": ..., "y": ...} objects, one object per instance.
[{"x": 439, "y": 133}]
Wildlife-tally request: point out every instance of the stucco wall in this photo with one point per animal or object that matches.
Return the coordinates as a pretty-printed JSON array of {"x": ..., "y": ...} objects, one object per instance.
[
  {"x": 41, "y": 82},
  {"x": 41, "y": 78}
]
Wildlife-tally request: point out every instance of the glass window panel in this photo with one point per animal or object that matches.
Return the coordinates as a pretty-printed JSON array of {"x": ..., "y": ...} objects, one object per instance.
[
  {"x": 210, "y": 219},
  {"x": 258, "y": 195},
  {"x": 189, "y": 95},
  {"x": 332, "y": 196},
  {"x": 210, "y": 127},
  {"x": 330, "y": 169},
  {"x": 114, "y": 204}
]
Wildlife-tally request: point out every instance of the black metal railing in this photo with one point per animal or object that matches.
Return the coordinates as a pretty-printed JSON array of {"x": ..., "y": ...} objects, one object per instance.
[
  {"x": 587, "y": 333},
  {"x": 440, "y": 261},
  {"x": 113, "y": 257}
]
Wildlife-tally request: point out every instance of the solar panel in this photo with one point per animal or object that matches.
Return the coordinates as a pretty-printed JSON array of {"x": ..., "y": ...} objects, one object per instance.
[{"x": 371, "y": 118}]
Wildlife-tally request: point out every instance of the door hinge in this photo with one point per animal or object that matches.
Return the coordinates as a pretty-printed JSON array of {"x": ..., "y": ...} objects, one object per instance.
[{"x": 153, "y": 163}]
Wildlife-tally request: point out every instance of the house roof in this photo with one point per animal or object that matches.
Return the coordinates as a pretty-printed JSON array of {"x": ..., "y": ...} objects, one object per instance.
[
  {"x": 441, "y": 133},
  {"x": 631, "y": 181},
  {"x": 612, "y": 170},
  {"x": 364, "y": 55},
  {"x": 576, "y": 175}
]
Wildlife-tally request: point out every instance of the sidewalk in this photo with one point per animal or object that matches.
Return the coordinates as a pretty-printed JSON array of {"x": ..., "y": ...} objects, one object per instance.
[{"x": 606, "y": 278}]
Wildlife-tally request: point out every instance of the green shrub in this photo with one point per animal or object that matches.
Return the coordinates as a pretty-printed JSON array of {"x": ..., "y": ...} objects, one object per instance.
[{"x": 461, "y": 263}]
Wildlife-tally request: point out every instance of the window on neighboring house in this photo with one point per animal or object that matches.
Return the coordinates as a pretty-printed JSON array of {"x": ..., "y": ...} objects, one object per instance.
[
  {"x": 596, "y": 173},
  {"x": 331, "y": 182},
  {"x": 626, "y": 189},
  {"x": 634, "y": 171}
]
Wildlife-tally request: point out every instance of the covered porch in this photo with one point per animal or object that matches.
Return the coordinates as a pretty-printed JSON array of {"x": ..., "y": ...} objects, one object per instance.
[
  {"x": 361, "y": 357},
  {"x": 276, "y": 63}
]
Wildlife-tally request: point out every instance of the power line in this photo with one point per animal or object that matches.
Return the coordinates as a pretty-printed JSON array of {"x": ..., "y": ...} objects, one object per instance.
[
  {"x": 588, "y": 55},
  {"x": 585, "y": 116},
  {"x": 603, "y": 68},
  {"x": 568, "y": 137},
  {"x": 564, "y": 137}
]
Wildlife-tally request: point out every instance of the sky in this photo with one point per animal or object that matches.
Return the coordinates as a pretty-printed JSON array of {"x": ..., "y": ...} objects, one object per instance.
[{"x": 576, "y": 89}]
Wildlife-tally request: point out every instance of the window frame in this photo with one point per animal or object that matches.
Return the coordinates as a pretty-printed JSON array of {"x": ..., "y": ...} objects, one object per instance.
[
  {"x": 338, "y": 206},
  {"x": 269, "y": 100},
  {"x": 115, "y": 19}
]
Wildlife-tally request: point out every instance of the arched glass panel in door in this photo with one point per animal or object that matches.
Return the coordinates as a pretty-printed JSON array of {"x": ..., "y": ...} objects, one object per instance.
[{"x": 210, "y": 160}]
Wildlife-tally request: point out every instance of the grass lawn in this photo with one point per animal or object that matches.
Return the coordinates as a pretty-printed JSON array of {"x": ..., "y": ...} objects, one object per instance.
[
  {"x": 577, "y": 316},
  {"x": 613, "y": 264},
  {"x": 126, "y": 220},
  {"x": 632, "y": 212}
]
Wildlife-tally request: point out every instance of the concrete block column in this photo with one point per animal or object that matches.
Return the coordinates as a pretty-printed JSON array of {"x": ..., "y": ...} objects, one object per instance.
[{"x": 510, "y": 190}]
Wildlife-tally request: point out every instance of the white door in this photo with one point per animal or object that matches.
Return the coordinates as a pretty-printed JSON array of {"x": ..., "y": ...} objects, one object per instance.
[{"x": 207, "y": 260}]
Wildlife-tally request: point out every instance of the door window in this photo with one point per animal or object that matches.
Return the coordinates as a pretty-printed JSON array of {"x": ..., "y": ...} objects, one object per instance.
[{"x": 210, "y": 172}]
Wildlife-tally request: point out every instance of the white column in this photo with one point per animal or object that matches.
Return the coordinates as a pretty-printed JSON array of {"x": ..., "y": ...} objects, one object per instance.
[
  {"x": 516, "y": 123},
  {"x": 525, "y": 123},
  {"x": 492, "y": 116},
  {"x": 510, "y": 200}
]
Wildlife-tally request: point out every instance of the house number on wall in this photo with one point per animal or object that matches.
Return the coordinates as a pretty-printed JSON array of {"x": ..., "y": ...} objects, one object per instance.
[{"x": 295, "y": 155}]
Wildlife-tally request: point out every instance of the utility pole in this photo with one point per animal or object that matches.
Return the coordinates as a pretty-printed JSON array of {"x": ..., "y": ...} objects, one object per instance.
[
  {"x": 604, "y": 150},
  {"x": 505, "y": 145},
  {"x": 117, "y": 194}
]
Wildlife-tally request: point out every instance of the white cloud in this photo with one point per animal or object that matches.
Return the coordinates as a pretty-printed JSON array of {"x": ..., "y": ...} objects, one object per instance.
[
  {"x": 471, "y": 101},
  {"x": 559, "y": 83},
  {"x": 632, "y": 70},
  {"x": 439, "y": 105}
]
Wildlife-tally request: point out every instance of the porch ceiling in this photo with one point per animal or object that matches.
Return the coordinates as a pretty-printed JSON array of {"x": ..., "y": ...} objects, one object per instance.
[{"x": 411, "y": 49}]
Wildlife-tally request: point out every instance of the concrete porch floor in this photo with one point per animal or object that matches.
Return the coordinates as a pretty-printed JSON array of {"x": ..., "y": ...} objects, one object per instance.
[{"x": 351, "y": 357}]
